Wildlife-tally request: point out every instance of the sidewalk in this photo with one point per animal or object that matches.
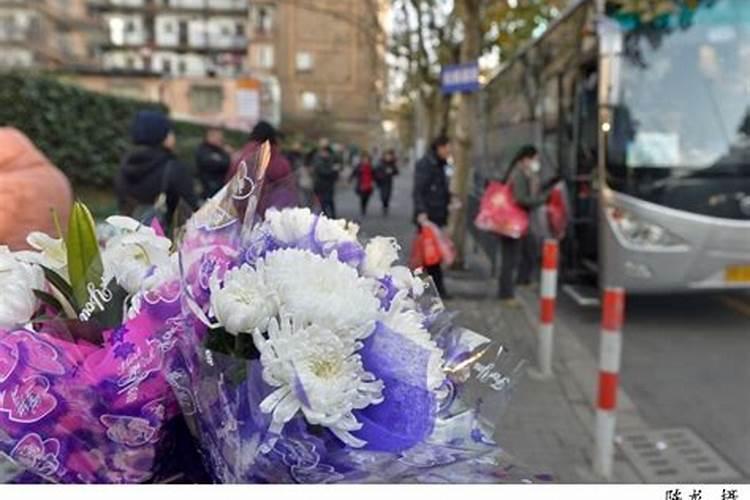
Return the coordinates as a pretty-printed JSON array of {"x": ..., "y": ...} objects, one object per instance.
[{"x": 549, "y": 424}]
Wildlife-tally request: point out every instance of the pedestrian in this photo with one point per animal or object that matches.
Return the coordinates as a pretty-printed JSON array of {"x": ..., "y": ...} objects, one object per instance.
[
  {"x": 279, "y": 185},
  {"x": 364, "y": 177},
  {"x": 432, "y": 196},
  {"x": 386, "y": 170},
  {"x": 152, "y": 180},
  {"x": 325, "y": 176},
  {"x": 212, "y": 160},
  {"x": 519, "y": 255},
  {"x": 31, "y": 189}
]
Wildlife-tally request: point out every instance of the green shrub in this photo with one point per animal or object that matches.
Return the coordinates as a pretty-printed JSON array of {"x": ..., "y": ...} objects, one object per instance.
[{"x": 84, "y": 133}]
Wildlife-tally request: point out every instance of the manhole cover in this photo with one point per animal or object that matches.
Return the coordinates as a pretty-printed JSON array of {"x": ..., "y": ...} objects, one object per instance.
[{"x": 674, "y": 456}]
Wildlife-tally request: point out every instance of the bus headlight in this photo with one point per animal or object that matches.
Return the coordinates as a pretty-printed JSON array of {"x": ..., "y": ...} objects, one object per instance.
[{"x": 641, "y": 233}]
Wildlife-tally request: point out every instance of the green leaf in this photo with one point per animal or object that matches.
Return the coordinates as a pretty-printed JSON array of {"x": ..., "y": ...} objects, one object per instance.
[
  {"x": 60, "y": 284},
  {"x": 84, "y": 258},
  {"x": 49, "y": 300}
]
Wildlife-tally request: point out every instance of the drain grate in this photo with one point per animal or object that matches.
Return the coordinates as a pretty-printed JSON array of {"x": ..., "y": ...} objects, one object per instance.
[{"x": 674, "y": 455}]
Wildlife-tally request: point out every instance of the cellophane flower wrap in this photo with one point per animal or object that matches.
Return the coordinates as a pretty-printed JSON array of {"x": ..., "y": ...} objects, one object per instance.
[
  {"x": 84, "y": 328},
  {"x": 313, "y": 358}
]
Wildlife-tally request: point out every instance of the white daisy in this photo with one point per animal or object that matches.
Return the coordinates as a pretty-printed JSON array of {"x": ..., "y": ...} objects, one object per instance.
[
  {"x": 243, "y": 302},
  {"x": 316, "y": 372},
  {"x": 293, "y": 224},
  {"x": 323, "y": 291}
]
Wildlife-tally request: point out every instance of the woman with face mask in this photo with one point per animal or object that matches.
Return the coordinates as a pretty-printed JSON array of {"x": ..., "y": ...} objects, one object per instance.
[{"x": 519, "y": 256}]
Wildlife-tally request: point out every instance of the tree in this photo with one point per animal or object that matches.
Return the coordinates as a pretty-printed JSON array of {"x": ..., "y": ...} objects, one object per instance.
[{"x": 429, "y": 34}]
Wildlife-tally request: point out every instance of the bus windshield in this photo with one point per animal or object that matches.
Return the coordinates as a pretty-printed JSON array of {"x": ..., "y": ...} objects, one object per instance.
[{"x": 683, "y": 103}]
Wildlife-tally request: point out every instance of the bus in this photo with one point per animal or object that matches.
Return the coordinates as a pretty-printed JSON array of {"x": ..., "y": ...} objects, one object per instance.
[{"x": 643, "y": 108}]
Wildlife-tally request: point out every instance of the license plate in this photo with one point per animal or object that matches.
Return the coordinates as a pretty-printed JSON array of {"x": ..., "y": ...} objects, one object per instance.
[{"x": 738, "y": 274}]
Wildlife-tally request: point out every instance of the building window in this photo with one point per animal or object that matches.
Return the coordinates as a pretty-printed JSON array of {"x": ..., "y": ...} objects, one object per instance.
[
  {"x": 166, "y": 66},
  {"x": 239, "y": 29},
  {"x": 265, "y": 56},
  {"x": 304, "y": 61},
  {"x": 309, "y": 101},
  {"x": 206, "y": 99},
  {"x": 168, "y": 27},
  {"x": 182, "y": 67},
  {"x": 262, "y": 20},
  {"x": 129, "y": 62},
  {"x": 130, "y": 26}
]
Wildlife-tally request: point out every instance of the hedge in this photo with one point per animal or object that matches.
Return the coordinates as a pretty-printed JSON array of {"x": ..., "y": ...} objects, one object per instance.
[{"x": 84, "y": 133}]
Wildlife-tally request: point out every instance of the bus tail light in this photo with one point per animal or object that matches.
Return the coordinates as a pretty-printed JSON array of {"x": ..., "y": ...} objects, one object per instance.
[{"x": 641, "y": 233}]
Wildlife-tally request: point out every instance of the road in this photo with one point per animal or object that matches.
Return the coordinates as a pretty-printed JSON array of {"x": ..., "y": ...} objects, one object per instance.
[{"x": 685, "y": 358}]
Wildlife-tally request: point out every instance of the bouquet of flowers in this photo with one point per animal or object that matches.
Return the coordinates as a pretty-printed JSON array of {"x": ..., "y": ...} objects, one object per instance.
[
  {"x": 83, "y": 335},
  {"x": 311, "y": 357}
]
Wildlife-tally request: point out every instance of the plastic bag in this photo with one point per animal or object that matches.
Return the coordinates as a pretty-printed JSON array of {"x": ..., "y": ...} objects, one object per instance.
[
  {"x": 499, "y": 213},
  {"x": 556, "y": 209}
]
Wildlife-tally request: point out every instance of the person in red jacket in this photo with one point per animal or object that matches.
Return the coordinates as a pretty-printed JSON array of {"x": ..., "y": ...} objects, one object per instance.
[
  {"x": 31, "y": 188},
  {"x": 280, "y": 184},
  {"x": 364, "y": 176}
]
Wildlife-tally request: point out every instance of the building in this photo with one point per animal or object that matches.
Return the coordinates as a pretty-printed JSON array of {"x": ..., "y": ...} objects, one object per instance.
[
  {"x": 329, "y": 60},
  {"x": 180, "y": 38},
  {"x": 48, "y": 34}
]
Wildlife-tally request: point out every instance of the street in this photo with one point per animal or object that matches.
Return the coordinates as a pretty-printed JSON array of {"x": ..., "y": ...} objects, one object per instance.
[{"x": 684, "y": 357}]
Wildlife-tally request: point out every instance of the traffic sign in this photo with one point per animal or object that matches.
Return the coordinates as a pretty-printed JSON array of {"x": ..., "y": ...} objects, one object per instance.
[{"x": 460, "y": 78}]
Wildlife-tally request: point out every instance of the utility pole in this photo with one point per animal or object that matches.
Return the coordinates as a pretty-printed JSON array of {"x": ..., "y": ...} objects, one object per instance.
[{"x": 469, "y": 11}]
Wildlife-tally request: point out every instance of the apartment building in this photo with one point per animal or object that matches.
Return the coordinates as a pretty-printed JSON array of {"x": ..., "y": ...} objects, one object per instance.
[
  {"x": 328, "y": 57},
  {"x": 49, "y": 34},
  {"x": 178, "y": 38}
]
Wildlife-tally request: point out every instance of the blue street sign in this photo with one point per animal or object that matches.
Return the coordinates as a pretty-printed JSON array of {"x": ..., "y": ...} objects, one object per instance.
[{"x": 460, "y": 78}]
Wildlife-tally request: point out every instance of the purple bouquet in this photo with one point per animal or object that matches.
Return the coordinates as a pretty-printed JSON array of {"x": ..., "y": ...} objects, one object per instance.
[
  {"x": 310, "y": 357},
  {"x": 84, "y": 332}
]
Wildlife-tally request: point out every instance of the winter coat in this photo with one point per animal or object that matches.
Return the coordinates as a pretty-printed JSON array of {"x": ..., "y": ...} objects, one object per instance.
[
  {"x": 30, "y": 188},
  {"x": 431, "y": 193},
  {"x": 144, "y": 172},
  {"x": 325, "y": 173},
  {"x": 364, "y": 174},
  {"x": 385, "y": 172},
  {"x": 212, "y": 163}
]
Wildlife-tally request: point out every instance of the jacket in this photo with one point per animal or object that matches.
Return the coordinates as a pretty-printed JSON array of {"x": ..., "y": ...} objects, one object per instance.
[
  {"x": 431, "y": 193},
  {"x": 324, "y": 173},
  {"x": 385, "y": 172},
  {"x": 527, "y": 197},
  {"x": 212, "y": 163},
  {"x": 143, "y": 175},
  {"x": 30, "y": 188}
]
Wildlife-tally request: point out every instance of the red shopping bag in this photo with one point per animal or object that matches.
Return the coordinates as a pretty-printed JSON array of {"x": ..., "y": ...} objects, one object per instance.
[
  {"x": 425, "y": 249},
  {"x": 557, "y": 211},
  {"x": 445, "y": 244},
  {"x": 499, "y": 213}
]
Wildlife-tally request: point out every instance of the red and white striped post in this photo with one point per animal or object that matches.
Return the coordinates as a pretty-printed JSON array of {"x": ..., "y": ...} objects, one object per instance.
[
  {"x": 550, "y": 258},
  {"x": 613, "y": 312}
]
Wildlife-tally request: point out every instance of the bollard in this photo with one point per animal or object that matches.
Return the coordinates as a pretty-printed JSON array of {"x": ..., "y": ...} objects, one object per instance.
[
  {"x": 550, "y": 257},
  {"x": 613, "y": 311}
]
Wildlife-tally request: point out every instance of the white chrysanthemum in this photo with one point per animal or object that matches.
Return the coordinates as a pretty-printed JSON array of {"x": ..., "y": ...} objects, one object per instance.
[
  {"x": 18, "y": 280},
  {"x": 316, "y": 372},
  {"x": 292, "y": 224},
  {"x": 244, "y": 302},
  {"x": 403, "y": 319},
  {"x": 404, "y": 279},
  {"x": 324, "y": 291},
  {"x": 380, "y": 254},
  {"x": 131, "y": 256}
]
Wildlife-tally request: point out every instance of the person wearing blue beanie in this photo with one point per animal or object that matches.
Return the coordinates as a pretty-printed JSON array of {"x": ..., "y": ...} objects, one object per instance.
[{"x": 152, "y": 180}]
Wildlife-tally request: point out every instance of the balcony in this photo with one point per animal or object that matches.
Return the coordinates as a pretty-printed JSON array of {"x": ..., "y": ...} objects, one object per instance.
[
  {"x": 205, "y": 45},
  {"x": 203, "y": 7}
]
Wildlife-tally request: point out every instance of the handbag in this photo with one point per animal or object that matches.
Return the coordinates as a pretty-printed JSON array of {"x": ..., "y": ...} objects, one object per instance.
[
  {"x": 556, "y": 210},
  {"x": 500, "y": 213}
]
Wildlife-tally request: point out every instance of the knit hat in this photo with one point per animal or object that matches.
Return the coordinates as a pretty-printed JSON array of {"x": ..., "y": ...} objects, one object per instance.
[{"x": 150, "y": 128}]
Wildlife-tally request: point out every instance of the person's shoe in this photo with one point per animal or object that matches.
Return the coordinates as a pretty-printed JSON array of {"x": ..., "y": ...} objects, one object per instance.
[{"x": 511, "y": 303}]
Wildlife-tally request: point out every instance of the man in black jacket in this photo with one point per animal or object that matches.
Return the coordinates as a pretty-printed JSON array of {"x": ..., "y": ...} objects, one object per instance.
[
  {"x": 432, "y": 196},
  {"x": 212, "y": 159},
  {"x": 325, "y": 175},
  {"x": 151, "y": 169}
]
